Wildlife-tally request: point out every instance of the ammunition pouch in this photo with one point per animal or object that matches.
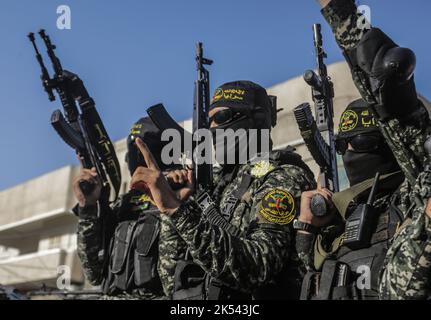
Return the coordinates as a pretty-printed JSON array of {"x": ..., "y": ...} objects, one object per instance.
[
  {"x": 193, "y": 283},
  {"x": 134, "y": 256},
  {"x": 190, "y": 281}
]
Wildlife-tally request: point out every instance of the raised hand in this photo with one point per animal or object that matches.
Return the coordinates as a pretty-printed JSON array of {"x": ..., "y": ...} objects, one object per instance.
[
  {"x": 151, "y": 176},
  {"x": 182, "y": 182}
]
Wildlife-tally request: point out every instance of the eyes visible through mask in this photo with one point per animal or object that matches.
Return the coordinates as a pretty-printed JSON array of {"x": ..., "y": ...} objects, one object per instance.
[
  {"x": 225, "y": 116},
  {"x": 361, "y": 143}
]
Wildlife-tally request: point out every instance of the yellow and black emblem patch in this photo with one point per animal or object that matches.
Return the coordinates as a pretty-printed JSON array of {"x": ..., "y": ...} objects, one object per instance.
[
  {"x": 217, "y": 95},
  {"x": 136, "y": 129},
  {"x": 349, "y": 121},
  {"x": 367, "y": 119},
  {"x": 278, "y": 206},
  {"x": 228, "y": 95},
  {"x": 145, "y": 198}
]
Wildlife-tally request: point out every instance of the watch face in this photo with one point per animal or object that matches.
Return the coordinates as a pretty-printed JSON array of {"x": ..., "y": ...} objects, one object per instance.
[{"x": 297, "y": 224}]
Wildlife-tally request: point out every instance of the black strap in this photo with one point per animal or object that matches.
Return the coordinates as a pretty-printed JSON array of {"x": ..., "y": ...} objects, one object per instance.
[
  {"x": 308, "y": 283},
  {"x": 210, "y": 211},
  {"x": 214, "y": 289},
  {"x": 327, "y": 279},
  {"x": 235, "y": 197}
]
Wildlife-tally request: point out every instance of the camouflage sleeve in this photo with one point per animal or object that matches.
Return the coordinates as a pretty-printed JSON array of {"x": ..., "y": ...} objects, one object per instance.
[
  {"x": 346, "y": 22},
  {"x": 172, "y": 249},
  {"x": 252, "y": 260},
  {"x": 90, "y": 234},
  {"x": 349, "y": 26},
  {"x": 407, "y": 144},
  {"x": 314, "y": 249},
  {"x": 305, "y": 249},
  {"x": 408, "y": 262}
]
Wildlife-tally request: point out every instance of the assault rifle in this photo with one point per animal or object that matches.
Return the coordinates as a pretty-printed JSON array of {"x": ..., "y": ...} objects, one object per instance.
[
  {"x": 82, "y": 129},
  {"x": 202, "y": 171},
  {"x": 319, "y": 134}
]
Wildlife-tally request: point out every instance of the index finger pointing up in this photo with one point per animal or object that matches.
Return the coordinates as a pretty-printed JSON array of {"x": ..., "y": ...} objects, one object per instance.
[{"x": 146, "y": 153}]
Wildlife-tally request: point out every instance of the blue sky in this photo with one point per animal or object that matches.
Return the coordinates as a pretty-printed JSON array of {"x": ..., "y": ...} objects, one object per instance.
[{"x": 132, "y": 54}]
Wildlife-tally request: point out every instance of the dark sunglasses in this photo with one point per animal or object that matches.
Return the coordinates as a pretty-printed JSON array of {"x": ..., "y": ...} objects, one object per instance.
[
  {"x": 360, "y": 143},
  {"x": 225, "y": 116}
]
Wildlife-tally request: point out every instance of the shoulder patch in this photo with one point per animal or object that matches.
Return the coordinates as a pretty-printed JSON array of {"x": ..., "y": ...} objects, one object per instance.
[
  {"x": 261, "y": 168},
  {"x": 278, "y": 206}
]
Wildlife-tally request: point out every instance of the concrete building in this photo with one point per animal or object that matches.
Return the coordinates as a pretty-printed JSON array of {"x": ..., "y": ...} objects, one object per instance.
[{"x": 37, "y": 227}]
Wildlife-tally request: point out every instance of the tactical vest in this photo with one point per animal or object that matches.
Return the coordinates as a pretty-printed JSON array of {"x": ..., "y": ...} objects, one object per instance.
[
  {"x": 354, "y": 274},
  {"x": 193, "y": 283},
  {"x": 133, "y": 250}
]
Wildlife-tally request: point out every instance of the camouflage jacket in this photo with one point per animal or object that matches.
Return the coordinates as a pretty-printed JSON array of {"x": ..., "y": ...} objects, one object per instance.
[
  {"x": 408, "y": 262},
  {"x": 95, "y": 232},
  {"x": 172, "y": 249},
  {"x": 264, "y": 217},
  {"x": 401, "y": 279}
]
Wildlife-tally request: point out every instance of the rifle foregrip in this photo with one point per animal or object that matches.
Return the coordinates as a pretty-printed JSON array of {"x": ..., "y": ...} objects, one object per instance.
[
  {"x": 312, "y": 137},
  {"x": 303, "y": 116},
  {"x": 86, "y": 187},
  {"x": 319, "y": 206}
]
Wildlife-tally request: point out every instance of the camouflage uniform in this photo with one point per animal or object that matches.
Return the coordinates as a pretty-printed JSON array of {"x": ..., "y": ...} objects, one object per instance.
[
  {"x": 408, "y": 271},
  {"x": 96, "y": 233},
  {"x": 263, "y": 216},
  {"x": 172, "y": 248},
  {"x": 403, "y": 277}
]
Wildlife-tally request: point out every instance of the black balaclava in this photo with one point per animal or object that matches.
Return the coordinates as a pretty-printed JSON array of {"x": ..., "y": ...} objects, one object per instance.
[
  {"x": 256, "y": 111},
  {"x": 151, "y": 136},
  {"x": 360, "y": 166}
]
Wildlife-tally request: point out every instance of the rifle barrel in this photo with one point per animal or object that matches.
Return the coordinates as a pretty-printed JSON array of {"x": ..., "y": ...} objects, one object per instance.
[{"x": 50, "y": 49}]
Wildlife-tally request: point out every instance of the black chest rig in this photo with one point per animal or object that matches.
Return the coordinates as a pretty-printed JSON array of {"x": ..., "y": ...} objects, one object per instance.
[
  {"x": 133, "y": 253},
  {"x": 191, "y": 281},
  {"x": 354, "y": 274}
]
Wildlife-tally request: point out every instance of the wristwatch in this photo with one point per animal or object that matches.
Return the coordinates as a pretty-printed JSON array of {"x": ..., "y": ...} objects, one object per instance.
[{"x": 298, "y": 225}]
